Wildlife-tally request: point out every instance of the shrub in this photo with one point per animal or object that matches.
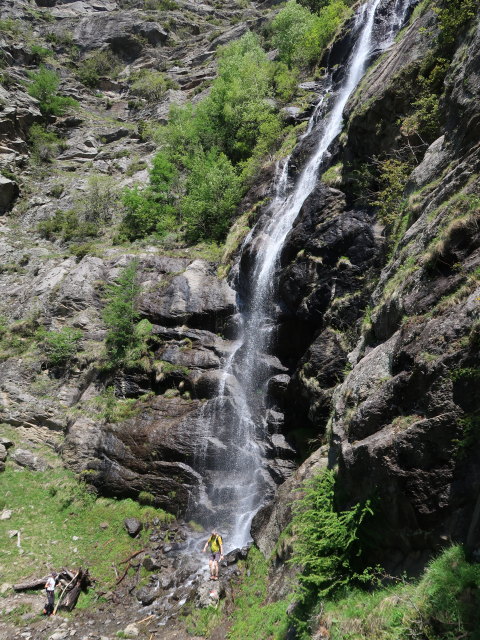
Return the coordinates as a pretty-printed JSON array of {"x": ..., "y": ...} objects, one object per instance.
[
  {"x": 101, "y": 199},
  {"x": 40, "y": 53},
  {"x": 152, "y": 209},
  {"x": 66, "y": 226},
  {"x": 127, "y": 339},
  {"x": 213, "y": 192},
  {"x": 327, "y": 544},
  {"x": 453, "y": 16},
  {"x": 98, "y": 64},
  {"x": 150, "y": 84},
  {"x": 60, "y": 346},
  {"x": 389, "y": 199},
  {"x": 45, "y": 144},
  {"x": 113, "y": 409},
  {"x": 301, "y": 36},
  {"x": 44, "y": 87}
]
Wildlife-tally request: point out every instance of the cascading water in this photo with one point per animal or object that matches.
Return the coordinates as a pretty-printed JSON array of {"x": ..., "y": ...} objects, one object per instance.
[{"x": 231, "y": 457}]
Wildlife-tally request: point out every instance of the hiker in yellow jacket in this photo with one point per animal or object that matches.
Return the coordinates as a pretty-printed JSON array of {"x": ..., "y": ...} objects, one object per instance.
[{"x": 216, "y": 553}]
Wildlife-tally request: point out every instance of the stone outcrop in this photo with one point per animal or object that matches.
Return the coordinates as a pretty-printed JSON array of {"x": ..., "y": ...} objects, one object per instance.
[{"x": 394, "y": 396}]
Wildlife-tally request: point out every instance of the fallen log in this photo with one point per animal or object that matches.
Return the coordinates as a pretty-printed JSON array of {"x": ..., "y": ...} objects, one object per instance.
[
  {"x": 35, "y": 583},
  {"x": 81, "y": 582},
  {"x": 39, "y": 583}
]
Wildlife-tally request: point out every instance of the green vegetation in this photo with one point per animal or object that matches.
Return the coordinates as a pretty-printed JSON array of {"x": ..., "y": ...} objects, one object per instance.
[
  {"x": 454, "y": 15},
  {"x": 150, "y": 84},
  {"x": 45, "y": 144},
  {"x": 209, "y": 151},
  {"x": 43, "y": 86},
  {"x": 301, "y": 36},
  {"x": 66, "y": 226},
  {"x": 61, "y": 346},
  {"x": 10, "y": 26},
  {"x": 253, "y": 616},
  {"x": 127, "y": 337},
  {"x": 389, "y": 198},
  {"x": 40, "y": 53},
  {"x": 98, "y": 64},
  {"x": 18, "y": 337},
  {"x": 327, "y": 543},
  {"x": 443, "y": 605},
  {"x": 214, "y": 190},
  {"x": 54, "y": 506},
  {"x": 101, "y": 200},
  {"x": 113, "y": 409}
]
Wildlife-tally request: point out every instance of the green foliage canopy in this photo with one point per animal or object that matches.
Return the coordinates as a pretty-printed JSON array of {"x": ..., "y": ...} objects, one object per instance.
[
  {"x": 300, "y": 36},
  {"x": 44, "y": 87}
]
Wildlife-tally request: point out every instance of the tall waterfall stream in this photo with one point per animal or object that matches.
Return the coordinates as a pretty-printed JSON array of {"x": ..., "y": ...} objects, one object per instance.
[{"x": 233, "y": 425}]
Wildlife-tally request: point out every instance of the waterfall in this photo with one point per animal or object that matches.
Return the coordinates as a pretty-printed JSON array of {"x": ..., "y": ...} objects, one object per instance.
[{"x": 231, "y": 457}]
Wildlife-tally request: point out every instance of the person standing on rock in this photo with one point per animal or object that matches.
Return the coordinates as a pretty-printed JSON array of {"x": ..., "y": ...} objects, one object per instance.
[
  {"x": 216, "y": 553},
  {"x": 50, "y": 589}
]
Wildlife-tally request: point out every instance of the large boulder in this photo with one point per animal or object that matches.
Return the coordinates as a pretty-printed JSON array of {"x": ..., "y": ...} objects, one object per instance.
[
  {"x": 8, "y": 192},
  {"x": 196, "y": 297}
]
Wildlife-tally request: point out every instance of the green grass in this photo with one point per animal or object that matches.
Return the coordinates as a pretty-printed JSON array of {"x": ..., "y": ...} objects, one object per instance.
[
  {"x": 50, "y": 508},
  {"x": 442, "y": 605},
  {"x": 255, "y": 618}
]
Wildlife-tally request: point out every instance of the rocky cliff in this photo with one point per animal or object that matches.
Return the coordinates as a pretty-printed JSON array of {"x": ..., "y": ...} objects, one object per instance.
[
  {"x": 374, "y": 368},
  {"x": 388, "y": 381}
]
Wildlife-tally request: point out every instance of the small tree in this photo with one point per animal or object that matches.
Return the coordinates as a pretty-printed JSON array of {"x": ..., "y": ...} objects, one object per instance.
[
  {"x": 121, "y": 315},
  {"x": 44, "y": 87},
  {"x": 326, "y": 543}
]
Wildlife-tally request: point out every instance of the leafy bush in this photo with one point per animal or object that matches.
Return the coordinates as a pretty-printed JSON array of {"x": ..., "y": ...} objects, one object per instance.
[
  {"x": 213, "y": 191},
  {"x": 98, "y": 64},
  {"x": 327, "y": 544},
  {"x": 60, "y": 346},
  {"x": 150, "y": 84},
  {"x": 45, "y": 144},
  {"x": 453, "y": 16},
  {"x": 152, "y": 209},
  {"x": 40, "y": 53},
  {"x": 66, "y": 226},
  {"x": 101, "y": 199},
  {"x": 424, "y": 122},
  {"x": 44, "y": 87},
  {"x": 389, "y": 198},
  {"x": 301, "y": 36}
]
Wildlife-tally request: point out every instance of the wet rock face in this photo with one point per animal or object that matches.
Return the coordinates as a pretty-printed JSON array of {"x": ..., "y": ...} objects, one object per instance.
[
  {"x": 328, "y": 252},
  {"x": 400, "y": 400}
]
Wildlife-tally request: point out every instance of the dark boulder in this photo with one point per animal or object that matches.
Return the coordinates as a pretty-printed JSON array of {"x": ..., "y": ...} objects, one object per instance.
[{"x": 133, "y": 526}]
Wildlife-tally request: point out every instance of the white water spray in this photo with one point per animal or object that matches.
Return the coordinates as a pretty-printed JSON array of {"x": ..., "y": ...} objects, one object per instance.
[{"x": 234, "y": 427}]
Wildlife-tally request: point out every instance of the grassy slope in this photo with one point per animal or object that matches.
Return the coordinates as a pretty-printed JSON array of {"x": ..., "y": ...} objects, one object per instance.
[{"x": 50, "y": 509}]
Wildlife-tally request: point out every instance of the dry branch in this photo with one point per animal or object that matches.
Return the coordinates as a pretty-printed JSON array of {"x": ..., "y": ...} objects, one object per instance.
[{"x": 133, "y": 555}]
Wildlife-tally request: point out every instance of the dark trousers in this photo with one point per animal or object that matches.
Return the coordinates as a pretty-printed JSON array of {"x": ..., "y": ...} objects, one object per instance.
[{"x": 50, "y": 603}]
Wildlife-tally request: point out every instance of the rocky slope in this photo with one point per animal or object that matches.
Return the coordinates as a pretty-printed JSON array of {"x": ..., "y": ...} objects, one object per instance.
[{"x": 377, "y": 344}]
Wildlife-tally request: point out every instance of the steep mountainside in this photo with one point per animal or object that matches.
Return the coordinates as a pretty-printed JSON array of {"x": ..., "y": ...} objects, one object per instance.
[{"x": 372, "y": 365}]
